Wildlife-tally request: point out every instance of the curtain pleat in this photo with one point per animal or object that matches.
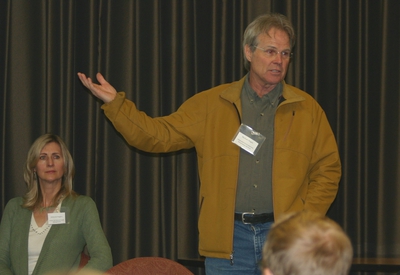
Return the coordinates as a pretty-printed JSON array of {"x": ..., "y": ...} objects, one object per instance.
[{"x": 160, "y": 53}]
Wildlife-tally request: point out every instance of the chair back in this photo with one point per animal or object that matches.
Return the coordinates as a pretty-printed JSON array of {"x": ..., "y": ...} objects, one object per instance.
[
  {"x": 84, "y": 259},
  {"x": 149, "y": 266}
]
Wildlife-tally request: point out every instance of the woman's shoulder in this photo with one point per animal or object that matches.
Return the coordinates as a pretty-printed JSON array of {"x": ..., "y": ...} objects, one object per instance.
[
  {"x": 14, "y": 204},
  {"x": 17, "y": 201},
  {"x": 79, "y": 200}
]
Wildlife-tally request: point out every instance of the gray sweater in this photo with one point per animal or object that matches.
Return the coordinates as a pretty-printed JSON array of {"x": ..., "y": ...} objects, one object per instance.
[{"x": 64, "y": 243}]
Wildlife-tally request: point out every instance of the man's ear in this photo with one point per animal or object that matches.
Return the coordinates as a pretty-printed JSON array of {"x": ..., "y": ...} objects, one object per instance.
[{"x": 248, "y": 53}]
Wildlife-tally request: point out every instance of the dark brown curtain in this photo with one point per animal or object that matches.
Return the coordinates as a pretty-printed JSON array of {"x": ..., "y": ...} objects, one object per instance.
[{"x": 161, "y": 53}]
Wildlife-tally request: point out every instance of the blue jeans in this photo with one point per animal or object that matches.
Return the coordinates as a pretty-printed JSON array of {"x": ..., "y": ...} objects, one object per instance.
[{"x": 248, "y": 241}]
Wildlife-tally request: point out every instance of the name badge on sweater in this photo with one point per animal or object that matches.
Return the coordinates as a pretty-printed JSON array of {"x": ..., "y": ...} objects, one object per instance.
[{"x": 56, "y": 218}]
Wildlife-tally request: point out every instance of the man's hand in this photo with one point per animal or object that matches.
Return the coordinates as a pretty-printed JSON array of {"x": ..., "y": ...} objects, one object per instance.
[{"x": 104, "y": 91}]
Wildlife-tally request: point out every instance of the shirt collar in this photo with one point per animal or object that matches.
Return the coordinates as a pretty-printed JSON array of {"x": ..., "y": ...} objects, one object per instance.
[{"x": 273, "y": 96}]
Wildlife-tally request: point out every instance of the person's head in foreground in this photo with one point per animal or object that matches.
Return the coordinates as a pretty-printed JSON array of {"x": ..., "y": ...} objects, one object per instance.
[
  {"x": 80, "y": 272},
  {"x": 306, "y": 243}
]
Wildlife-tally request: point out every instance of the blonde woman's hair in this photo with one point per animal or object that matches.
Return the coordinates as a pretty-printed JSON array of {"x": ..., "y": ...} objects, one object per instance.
[
  {"x": 33, "y": 197},
  {"x": 263, "y": 24},
  {"x": 307, "y": 243}
]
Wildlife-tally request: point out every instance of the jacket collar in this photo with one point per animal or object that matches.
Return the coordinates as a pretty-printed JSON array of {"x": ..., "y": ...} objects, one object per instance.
[
  {"x": 233, "y": 91},
  {"x": 289, "y": 95}
]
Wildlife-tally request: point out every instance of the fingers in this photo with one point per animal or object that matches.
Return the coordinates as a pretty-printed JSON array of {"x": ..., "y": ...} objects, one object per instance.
[
  {"x": 85, "y": 81},
  {"x": 104, "y": 91},
  {"x": 100, "y": 78},
  {"x": 88, "y": 83}
]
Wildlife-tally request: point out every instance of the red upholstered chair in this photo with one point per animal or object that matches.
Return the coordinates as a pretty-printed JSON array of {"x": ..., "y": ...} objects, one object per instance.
[
  {"x": 149, "y": 266},
  {"x": 84, "y": 259}
]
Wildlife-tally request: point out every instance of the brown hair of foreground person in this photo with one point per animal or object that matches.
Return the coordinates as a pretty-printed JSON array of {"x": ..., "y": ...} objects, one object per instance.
[
  {"x": 80, "y": 272},
  {"x": 306, "y": 243}
]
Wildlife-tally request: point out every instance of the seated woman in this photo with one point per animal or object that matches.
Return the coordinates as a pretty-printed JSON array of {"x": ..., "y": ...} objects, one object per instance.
[{"x": 47, "y": 229}]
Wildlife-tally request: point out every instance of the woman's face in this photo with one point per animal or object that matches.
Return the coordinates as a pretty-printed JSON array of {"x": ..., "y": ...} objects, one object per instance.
[{"x": 50, "y": 167}]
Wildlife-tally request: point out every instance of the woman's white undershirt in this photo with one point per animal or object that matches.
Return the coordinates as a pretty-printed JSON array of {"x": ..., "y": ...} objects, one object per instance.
[{"x": 37, "y": 235}]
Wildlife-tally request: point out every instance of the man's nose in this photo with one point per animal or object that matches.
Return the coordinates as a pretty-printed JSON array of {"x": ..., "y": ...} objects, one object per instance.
[{"x": 278, "y": 57}]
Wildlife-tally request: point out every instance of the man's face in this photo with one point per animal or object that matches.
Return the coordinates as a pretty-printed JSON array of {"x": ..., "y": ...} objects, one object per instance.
[{"x": 270, "y": 60}]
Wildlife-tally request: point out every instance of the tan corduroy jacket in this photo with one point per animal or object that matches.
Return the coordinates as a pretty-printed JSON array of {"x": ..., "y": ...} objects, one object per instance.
[{"x": 306, "y": 164}]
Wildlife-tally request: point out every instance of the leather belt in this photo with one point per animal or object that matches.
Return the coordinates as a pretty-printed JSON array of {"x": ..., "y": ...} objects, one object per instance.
[{"x": 250, "y": 218}]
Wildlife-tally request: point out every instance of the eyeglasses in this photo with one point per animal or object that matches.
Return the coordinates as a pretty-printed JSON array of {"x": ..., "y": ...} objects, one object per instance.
[{"x": 270, "y": 52}]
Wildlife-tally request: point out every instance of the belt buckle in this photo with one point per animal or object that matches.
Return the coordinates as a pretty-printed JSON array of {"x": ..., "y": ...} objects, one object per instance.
[{"x": 246, "y": 213}]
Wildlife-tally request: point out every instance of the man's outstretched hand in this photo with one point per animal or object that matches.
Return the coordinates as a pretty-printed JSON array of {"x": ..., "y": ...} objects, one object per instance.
[{"x": 104, "y": 91}]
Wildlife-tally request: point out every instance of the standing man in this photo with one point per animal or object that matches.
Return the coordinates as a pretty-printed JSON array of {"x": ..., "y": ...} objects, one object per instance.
[{"x": 263, "y": 147}]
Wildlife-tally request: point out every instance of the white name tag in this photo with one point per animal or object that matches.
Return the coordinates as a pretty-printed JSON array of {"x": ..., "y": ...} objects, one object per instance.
[
  {"x": 245, "y": 143},
  {"x": 248, "y": 139},
  {"x": 56, "y": 218}
]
